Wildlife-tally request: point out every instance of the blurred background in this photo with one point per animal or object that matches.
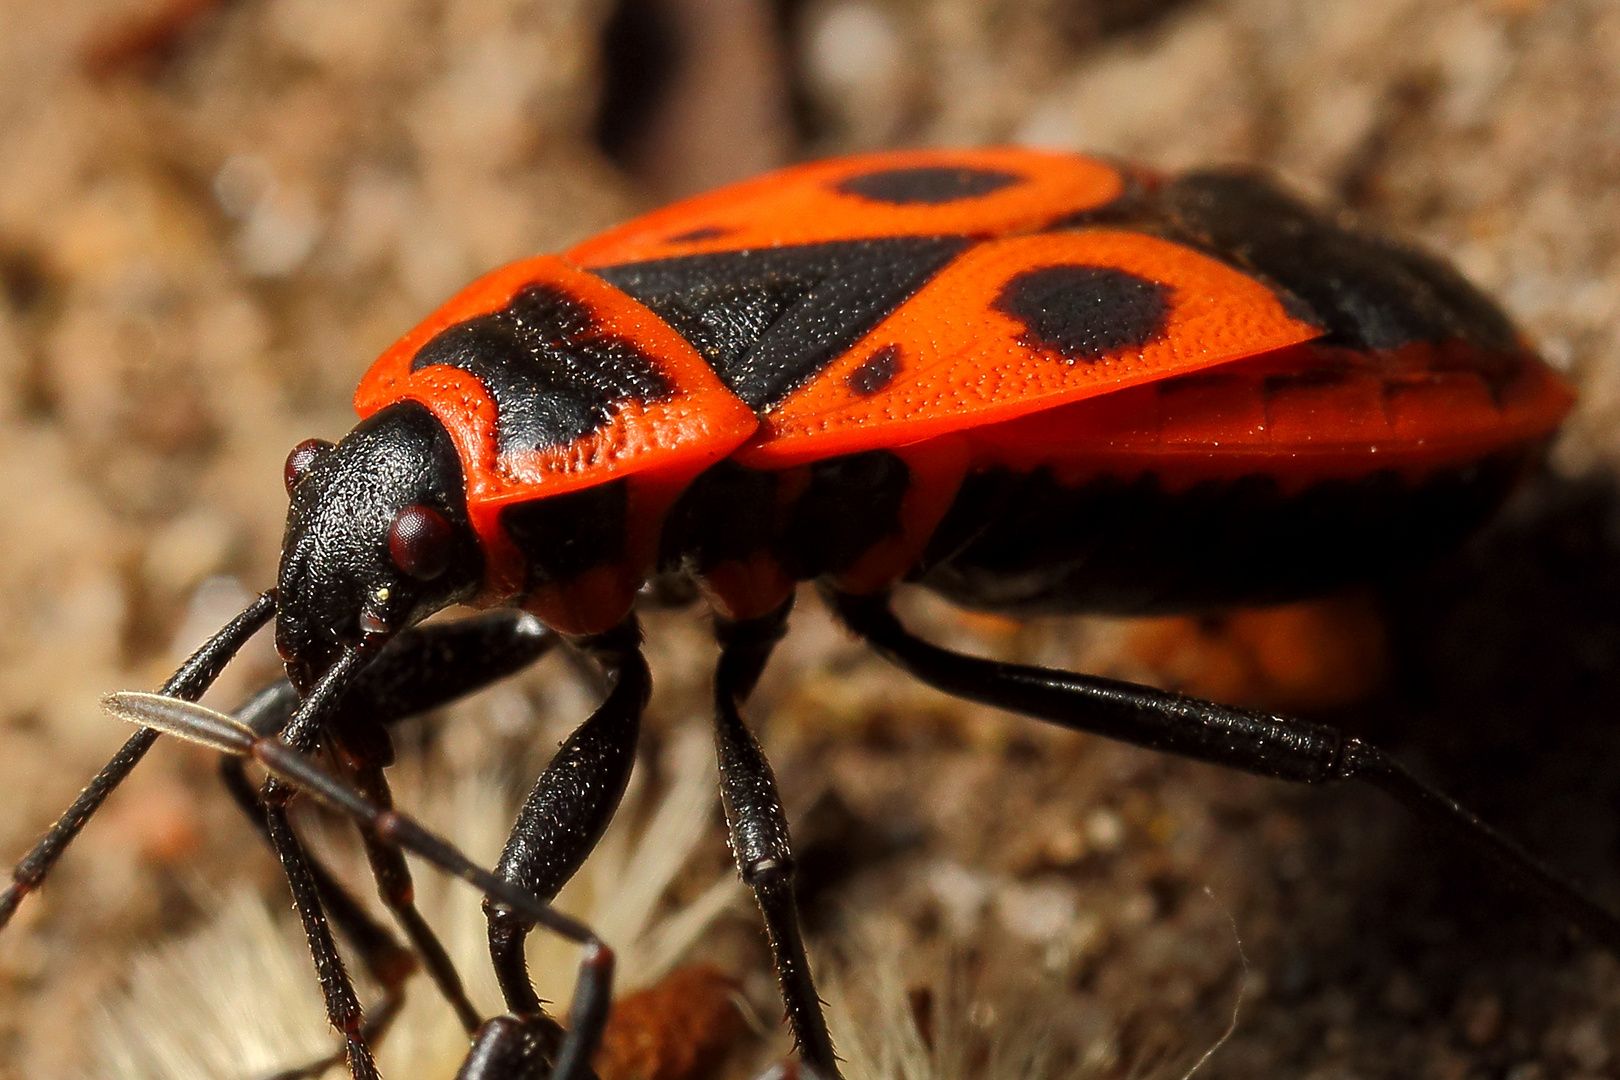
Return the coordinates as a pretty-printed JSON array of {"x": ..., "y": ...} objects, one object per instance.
[{"x": 215, "y": 213}]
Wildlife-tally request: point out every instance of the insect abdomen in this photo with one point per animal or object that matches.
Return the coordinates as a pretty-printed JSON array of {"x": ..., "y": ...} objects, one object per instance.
[{"x": 1027, "y": 544}]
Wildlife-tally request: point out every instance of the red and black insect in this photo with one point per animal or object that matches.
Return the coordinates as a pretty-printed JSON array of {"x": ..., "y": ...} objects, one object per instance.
[{"x": 1031, "y": 382}]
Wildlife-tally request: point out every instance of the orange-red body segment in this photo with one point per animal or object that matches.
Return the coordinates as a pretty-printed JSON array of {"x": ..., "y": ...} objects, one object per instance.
[
  {"x": 960, "y": 363},
  {"x": 665, "y": 442},
  {"x": 803, "y": 205},
  {"x": 1029, "y": 315},
  {"x": 1301, "y": 415}
]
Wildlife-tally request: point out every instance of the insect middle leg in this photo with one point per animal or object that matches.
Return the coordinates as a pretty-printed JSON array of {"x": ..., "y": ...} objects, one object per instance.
[
  {"x": 759, "y": 829},
  {"x": 567, "y": 811},
  {"x": 1243, "y": 739}
]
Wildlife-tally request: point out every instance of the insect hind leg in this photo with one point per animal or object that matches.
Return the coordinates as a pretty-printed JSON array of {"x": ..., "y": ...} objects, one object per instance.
[
  {"x": 1243, "y": 739},
  {"x": 759, "y": 829}
]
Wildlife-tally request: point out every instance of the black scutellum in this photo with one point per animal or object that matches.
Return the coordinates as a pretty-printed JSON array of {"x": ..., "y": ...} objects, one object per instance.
[{"x": 769, "y": 320}]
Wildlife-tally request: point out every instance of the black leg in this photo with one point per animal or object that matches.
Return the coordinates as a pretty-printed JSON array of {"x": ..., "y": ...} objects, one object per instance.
[
  {"x": 187, "y": 683},
  {"x": 378, "y": 1021},
  {"x": 759, "y": 830},
  {"x": 301, "y": 772},
  {"x": 419, "y": 670},
  {"x": 384, "y": 958},
  {"x": 342, "y": 1005},
  {"x": 509, "y": 1048},
  {"x": 387, "y": 961},
  {"x": 1238, "y": 738},
  {"x": 429, "y": 666},
  {"x": 569, "y": 807},
  {"x": 397, "y": 892}
]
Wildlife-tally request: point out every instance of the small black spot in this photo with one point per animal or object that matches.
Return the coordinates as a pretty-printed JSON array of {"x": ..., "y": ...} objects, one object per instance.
[
  {"x": 876, "y": 372},
  {"x": 930, "y": 184},
  {"x": 708, "y": 232},
  {"x": 1085, "y": 312}
]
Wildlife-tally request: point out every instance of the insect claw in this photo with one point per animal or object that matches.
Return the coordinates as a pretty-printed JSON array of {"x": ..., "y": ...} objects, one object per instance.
[{"x": 183, "y": 719}]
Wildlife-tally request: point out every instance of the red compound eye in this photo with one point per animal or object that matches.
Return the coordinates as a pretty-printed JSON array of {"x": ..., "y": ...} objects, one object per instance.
[
  {"x": 421, "y": 542},
  {"x": 301, "y": 459}
]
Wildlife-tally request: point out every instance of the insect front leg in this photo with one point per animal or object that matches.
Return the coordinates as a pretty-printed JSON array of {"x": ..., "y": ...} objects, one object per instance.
[
  {"x": 385, "y": 959},
  {"x": 343, "y": 1010},
  {"x": 420, "y": 670},
  {"x": 1254, "y": 742},
  {"x": 311, "y": 722},
  {"x": 569, "y": 808},
  {"x": 302, "y": 731},
  {"x": 398, "y": 893},
  {"x": 301, "y": 771},
  {"x": 759, "y": 829}
]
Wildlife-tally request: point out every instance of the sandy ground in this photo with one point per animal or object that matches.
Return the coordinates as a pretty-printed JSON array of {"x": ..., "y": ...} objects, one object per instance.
[{"x": 213, "y": 215}]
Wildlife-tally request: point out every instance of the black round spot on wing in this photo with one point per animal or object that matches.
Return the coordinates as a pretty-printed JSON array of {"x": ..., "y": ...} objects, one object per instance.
[
  {"x": 1085, "y": 312},
  {"x": 707, "y": 232},
  {"x": 876, "y": 371},
  {"x": 930, "y": 184}
]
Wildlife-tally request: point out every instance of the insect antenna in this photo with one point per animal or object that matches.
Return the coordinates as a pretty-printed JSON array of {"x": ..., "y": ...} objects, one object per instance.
[{"x": 188, "y": 683}]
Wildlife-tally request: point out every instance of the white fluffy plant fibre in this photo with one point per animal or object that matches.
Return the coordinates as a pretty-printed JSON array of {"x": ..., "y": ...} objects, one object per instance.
[
  {"x": 939, "y": 1023},
  {"x": 238, "y": 997},
  {"x": 904, "y": 1013}
]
